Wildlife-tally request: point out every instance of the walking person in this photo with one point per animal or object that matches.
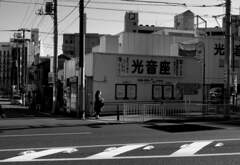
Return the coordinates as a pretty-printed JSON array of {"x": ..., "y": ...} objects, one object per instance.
[{"x": 99, "y": 103}]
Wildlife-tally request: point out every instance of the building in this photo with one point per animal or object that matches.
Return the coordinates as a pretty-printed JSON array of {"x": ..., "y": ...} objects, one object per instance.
[
  {"x": 155, "y": 64},
  {"x": 39, "y": 91},
  {"x": 6, "y": 68},
  {"x": 71, "y": 43},
  {"x": 26, "y": 52},
  {"x": 183, "y": 21},
  {"x": 145, "y": 68}
]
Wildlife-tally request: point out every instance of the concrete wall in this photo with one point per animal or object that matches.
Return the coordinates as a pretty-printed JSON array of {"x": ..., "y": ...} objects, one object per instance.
[
  {"x": 108, "y": 44},
  {"x": 149, "y": 44}
]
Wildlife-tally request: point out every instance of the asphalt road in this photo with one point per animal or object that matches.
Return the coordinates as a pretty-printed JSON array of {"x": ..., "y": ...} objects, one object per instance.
[{"x": 141, "y": 144}]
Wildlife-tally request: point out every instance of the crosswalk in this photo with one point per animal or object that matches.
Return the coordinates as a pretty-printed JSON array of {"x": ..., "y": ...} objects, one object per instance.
[{"x": 199, "y": 148}]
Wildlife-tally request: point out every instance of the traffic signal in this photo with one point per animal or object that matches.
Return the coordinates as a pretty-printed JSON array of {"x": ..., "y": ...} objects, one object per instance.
[{"x": 49, "y": 8}]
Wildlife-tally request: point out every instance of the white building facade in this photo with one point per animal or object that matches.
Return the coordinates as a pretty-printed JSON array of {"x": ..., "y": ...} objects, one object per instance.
[{"x": 143, "y": 68}]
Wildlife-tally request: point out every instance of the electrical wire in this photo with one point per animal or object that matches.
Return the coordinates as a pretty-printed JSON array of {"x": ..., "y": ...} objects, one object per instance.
[
  {"x": 68, "y": 14},
  {"x": 129, "y": 3},
  {"x": 41, "y": 20},
  {"x": 105, "y": 20},
  {"x": 25, "y": 15},
  {"x": 153, "y": 2},
  {"x": 31, "y": 19},
  {"x": 158, "y": 2},
  {"x": 141, "y": 11},
  {"x": 87, "y": 3},
  {"x": 71, "y": 23}
]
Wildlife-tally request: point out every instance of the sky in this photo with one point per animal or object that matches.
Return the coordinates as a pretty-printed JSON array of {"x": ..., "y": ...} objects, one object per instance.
[{"x": 103, "y": 16}]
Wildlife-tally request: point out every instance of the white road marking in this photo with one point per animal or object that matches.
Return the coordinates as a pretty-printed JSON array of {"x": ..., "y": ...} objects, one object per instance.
[
  {"x": 147, "y": 148},
  {"x": 191, "y": 149},
  {"x": 219, "y": 145},
  {"x": 49, "y": 134},
  {"x": 127, "y": 157},
  {"x": 117, "y": 151},
  {"x": 34, "y": 155}
]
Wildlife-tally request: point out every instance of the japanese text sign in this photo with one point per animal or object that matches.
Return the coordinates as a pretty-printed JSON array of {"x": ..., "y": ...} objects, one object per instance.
[{"x": 150, "y": 66}]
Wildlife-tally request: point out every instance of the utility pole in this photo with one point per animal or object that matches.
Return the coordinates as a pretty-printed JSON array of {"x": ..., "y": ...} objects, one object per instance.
[
  {"x": 227, "y": 57},
  {"x": 51, "y": 9},
  {"x": 23, "y": 67},
  {"x": 81, "y": 94},
  {"x": 55, "y": 51}
]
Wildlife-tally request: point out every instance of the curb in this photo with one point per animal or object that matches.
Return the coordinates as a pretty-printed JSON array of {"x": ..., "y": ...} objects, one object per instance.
[{"x": 88, "y": 122}]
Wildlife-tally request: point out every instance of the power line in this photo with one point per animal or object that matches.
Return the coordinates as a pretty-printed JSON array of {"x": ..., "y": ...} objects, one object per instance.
[
  {"x": 41, "y": 20},
  {"x": 21, "y": 2},
  {"x": 68, "y": 14},
  {"x": 129, "y": 3},
  {"x": 154, "y": 3},
  {"x": 25, "y": 15},
  {"x": 87, "y": 3},
  {"x": 31, "y": 19},
  {"x": 104, "y": 20},
  {"x": 71, "y": 23},
  {"x": 141, "y": 11},
  {"x": 158, "y": 2}
]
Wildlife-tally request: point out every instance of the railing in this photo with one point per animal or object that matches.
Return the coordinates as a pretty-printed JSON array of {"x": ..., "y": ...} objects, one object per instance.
[
  {"x": 143, "y": 111},
  {"x": 177, "y": 111}
]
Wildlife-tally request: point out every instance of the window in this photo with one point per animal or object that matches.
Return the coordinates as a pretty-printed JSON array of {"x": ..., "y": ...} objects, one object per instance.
[
  {"x": 221, "y": 63},
  {"x": 160, "y": 92},
  {"x": 125, "y": 91}
]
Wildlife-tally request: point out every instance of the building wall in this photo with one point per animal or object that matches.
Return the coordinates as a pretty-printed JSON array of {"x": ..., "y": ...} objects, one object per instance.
[
  {"x": 108, "y": 43},
  {"x": 131, "y": 22},
  {"x": 215, "y": 59},
  {"x": 71, "y": 43},
  {"x": 70, "y": 68},
  {"x": 150, "y": 44},
  {"x": 105, "y": 77},
  {"x": 184, "y": 21}
]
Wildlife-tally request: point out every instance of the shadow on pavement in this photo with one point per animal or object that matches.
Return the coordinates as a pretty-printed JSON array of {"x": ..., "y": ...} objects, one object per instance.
[
  {"x": 42, "y": 126},
  {"x": 176, "y": 128}
]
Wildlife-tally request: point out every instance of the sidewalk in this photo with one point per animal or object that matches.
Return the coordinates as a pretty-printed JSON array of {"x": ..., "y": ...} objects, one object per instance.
[{"x": 45, "y": 122}]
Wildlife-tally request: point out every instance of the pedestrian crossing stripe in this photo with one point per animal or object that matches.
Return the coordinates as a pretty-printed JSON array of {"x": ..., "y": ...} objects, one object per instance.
[
  {"x": 117, "y": 152},
  {"x": 191, "y": 149},
  {"x": 34, "y": 155}
]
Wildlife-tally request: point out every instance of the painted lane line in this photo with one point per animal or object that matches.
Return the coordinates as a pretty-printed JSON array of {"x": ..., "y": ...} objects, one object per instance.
[
  {"x": 116, "y": 144},
  {"x": 34, "y": 155},
  {"x": 49, "y": 134},
  {"x": 191, "y": 149},
  {"x": 114, "y": 152}
]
